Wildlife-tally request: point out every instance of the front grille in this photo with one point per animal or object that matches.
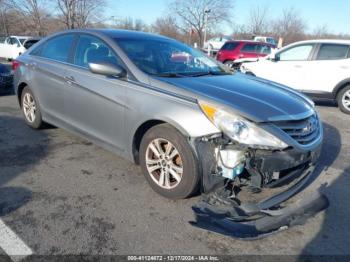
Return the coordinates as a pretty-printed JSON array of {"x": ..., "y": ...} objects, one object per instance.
[{"x": 304, "y": 131}]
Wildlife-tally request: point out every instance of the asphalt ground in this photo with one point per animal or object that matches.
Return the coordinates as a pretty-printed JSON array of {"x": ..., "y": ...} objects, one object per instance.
[{"x": 62, "y": 195}]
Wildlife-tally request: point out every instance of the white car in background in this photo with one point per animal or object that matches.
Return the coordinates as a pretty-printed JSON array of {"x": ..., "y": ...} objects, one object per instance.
[
  {"x": 216, "y": 43},
  {"x": 13, "y": 46},
  {"x": 318, "y": 68},
  {"x": 266, "y": 39}
]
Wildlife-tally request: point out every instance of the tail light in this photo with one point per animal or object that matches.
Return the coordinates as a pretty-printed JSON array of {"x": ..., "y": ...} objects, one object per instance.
[{"x": 15, "y": 65}]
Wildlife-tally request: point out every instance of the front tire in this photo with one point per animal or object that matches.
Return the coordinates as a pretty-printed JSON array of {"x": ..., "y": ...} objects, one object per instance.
[
  {"x": 31, "y": 109},
  {"x": 343, "y": 100},
  {"x": 168, "y": 162}
]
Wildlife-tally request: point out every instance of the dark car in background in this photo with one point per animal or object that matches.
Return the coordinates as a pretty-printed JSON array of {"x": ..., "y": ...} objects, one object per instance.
[
  {"x": 234, "y": 50},
  {"x": 6, "y": 78}
]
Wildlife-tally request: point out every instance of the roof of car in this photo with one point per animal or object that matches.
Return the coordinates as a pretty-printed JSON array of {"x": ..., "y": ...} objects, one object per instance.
[
  {"x": 249, "y": 41},
  {"x": 22, "y": 37},
  {"x": 331, "y": 41},
  {"x": 118, "y": 33}
]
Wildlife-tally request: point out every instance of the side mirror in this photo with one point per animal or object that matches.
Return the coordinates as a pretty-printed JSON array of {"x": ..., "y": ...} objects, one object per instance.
[
  {"x": 274, "y": 57},
  {"x": 107, "y": 69}
]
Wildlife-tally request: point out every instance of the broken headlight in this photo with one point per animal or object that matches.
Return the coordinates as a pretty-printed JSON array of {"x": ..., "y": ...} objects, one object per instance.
[{"x": 240, "y": 129}]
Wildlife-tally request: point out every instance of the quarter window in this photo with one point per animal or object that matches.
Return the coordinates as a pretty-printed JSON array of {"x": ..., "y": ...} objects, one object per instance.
[
  {"x": 92, "y": 50},
  {"x": 298, "y": 53},
  {"x": 58, "y": 48},
  {"x": 332, "y": 52}
]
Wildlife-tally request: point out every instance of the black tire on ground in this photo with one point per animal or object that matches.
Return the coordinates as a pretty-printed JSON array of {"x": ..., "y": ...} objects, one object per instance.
[
  {"x": 190, "y": 177},
  {"x": 344, "y": 92},
  {"x": 38, "y": 122}
]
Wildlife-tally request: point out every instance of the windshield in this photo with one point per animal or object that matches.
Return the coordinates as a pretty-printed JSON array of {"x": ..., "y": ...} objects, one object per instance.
[
  {"x": 22, "y": 40},
  {"x": 169, "y": 58},
  {"x": 271, "y": 41}
]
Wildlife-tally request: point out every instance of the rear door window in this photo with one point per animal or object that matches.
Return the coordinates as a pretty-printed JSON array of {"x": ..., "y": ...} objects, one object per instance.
[
  {"x": 250, "y": 48},
  {"x": 230, "y": 46},
  {"x": 58, "y": 48},
  {"x": 265, "y": 49},
  {"x": 332, "y": 52}
]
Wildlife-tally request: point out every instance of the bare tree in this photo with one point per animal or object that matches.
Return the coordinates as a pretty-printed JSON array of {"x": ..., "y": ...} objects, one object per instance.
[
  {"x": 140, "y": 25},
  {"x": 192, "y": 14},
  {"x": 4, "y": 17},
  {"x": 35, "y": 11},
  {"x": 258, "y": 20},
  {"x": 321, "y": 32},
  {"x": 67, "y": 8},
  {"x": 241, "y": 32},
  {"x": 78, "y": 13},
  {"x": 291, "y": 26},
  {"x": 128, "y": 23},
  {"x": 86, "y": 10},
  {"x": 167, "y": 26}
]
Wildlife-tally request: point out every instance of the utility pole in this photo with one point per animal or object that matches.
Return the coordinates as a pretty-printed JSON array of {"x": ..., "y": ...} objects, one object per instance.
[{"x": 206, "y": 13}]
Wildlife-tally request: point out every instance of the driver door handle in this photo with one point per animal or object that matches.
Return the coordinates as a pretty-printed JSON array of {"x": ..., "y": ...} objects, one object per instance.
[{"x": 70, "y": 80}]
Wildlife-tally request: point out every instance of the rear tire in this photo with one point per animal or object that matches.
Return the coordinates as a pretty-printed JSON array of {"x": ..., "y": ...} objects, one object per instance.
[
  {"x": 172, "y": 174},
  {"x": 343, "y": 99},
  {"x": 31, "y": 109}
]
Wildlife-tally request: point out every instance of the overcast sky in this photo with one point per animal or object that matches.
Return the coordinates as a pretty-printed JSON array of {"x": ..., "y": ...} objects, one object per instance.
[{"x": 334, "y": 14}]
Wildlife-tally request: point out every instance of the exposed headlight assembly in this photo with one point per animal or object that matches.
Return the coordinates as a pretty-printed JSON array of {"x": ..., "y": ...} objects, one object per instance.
[{"x": 240, "y": 129}]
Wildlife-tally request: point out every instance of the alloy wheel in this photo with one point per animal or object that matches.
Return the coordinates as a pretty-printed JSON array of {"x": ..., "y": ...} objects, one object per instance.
[
  {"x": 29, "y": 107},
  {"x": 346, "y": 100},
  {"x": 164, "y": 163}
]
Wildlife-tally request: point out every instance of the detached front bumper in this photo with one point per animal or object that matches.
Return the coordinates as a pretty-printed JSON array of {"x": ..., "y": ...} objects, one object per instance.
[
  {"x": 270, "y": 221},
  {"x": 256, "y": 217}
]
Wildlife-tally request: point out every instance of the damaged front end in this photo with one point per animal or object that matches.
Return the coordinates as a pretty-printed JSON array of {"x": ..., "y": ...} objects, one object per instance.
[{"x": 248, "y": 193}]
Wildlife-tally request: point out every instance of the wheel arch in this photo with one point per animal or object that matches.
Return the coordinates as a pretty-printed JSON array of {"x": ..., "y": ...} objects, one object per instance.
[
  {"x": 143, "y": 128},
  {"x": 340, "y": 86},
  {"x": 226, "y": 60},
  {"x": 19, "y": 91}
]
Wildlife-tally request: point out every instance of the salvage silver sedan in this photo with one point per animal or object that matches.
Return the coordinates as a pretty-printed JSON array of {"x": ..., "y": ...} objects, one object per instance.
[{"x": 189, "y": 122}]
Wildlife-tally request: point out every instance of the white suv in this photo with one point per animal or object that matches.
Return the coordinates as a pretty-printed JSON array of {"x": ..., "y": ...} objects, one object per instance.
[
  {"x": 216, "y": 43},
  {"x": 13, "y": 46},
  {"x": 318, "y": 68}
]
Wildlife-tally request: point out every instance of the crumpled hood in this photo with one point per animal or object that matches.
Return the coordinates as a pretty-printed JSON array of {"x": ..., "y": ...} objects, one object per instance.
[{"x": 257, "y": 99}]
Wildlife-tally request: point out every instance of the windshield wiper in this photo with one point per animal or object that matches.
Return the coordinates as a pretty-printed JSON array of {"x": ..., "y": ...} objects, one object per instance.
[
  {"x": 169, "y": 74},
  {"x": 212, "y": 73}
]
